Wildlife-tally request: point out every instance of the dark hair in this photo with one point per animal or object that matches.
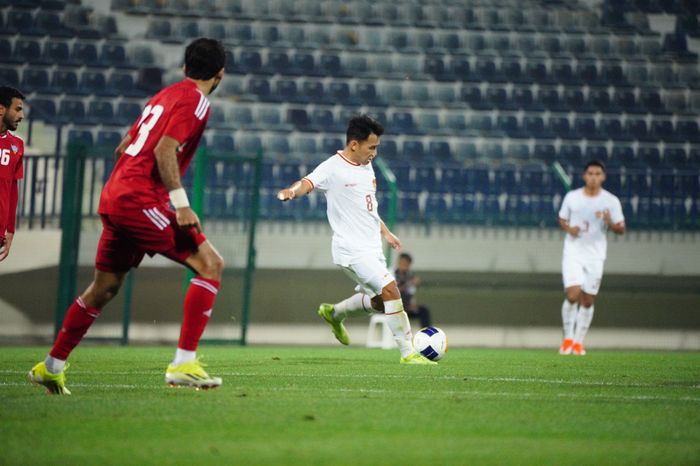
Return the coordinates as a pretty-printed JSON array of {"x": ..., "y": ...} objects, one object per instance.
[
  {"x": 8, "y": 93},
  {"x": 204, "y": 58},
  {"x": 407, "y": 256},
  {"x": 361, "y": 126},
  {"x": 594, "y": 163}
]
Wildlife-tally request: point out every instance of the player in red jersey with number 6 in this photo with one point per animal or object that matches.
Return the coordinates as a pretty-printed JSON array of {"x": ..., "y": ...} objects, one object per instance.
[
  {"x": 137, "y": 220},
  {"x": 11, "y": 168}
]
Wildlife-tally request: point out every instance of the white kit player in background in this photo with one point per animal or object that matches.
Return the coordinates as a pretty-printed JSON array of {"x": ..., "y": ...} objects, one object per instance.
[
  {"x": 586, "y": 215},
  {"x": 348, "y": 182}
]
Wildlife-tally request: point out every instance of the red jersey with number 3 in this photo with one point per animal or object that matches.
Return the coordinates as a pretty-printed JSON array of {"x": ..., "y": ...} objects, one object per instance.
[
  {"x": 180, "y": 111},
  {"x": 11, "y": 170}
]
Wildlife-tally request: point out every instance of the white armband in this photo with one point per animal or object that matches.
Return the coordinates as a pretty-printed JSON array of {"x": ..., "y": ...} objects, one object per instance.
[{"x": 178, "y": 198}]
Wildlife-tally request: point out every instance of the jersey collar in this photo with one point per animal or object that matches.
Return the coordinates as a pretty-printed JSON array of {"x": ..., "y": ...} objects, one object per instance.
[{"x": 340, "y": 153}]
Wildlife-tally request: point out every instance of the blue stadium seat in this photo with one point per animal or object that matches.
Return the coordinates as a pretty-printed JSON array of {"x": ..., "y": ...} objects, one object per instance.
[
  {"x": 413, "y": 149},
  {"x": 277, "y": 146},
  {"x": 596, "y": 152},
  {"x": 585, "y": 127},
  {"x": 505, "y": 179},
  {"x": 424, "y": 178},
  {"x": 625, "y": 100},
  {"x": 600, "y": 99},
  {"x": 123, "y": 84},
  {"x": 303, "y": 64},
  {"x": 452, "y": 180},
  {"x": 43, "y": 109},
  {"x": 570, "y": 154},
  {"x": 49, "y": 23},
  {"x": 80, "y": 136},
  {"x": 286, "y": 91},
  {"x": 260, "y": 88},
  {"x": 330, "y": 145},
  {"x": 675, "y": 157},
  {"x": 221, "y": 143},
  {"x": 508, "y": 124},
  {"x": 402, "y": 122},
  {"x": 86, "y": 54},
  {"x": 248, "y": 144},
  {"x": 559, "y": 127},
  {"x": 650, "y": 156},
  {"x": 636, "y": 128},
  {"x": 19, "y": 22},
  {"x": 241, "y": 117},
  {"x": 339, "y": 93},
  {"x": 127, "y": 113},
  {"x": 28, "y": 51},
  {"x": 72, "y": 111},
  {"x": 549, "y": 97},
  {"x": 366, "y": 94},
  {"x": 277, "y": 62},
  {"x": 66, "y": 82},
  {"x": 330, "y": 65},
  {"x": 440, "y": 150},
  {"x": 114, "y": 55},
  {"x": 544, "y": 152},
  {"x": 687, "y": 130},
  {"x": 249, "y": 62},
  {"x": 108, "y": 140},
  {"x": 388, "y": 148},
  {"x": 37, "y": 80},
  {"x": 435, "y": 208},
  {"x": 313, "y": 91},
  {"x": 434, "y": 66},
  {"x": 9, "y": 76},
  {"x": 533, "y": 126},
  {"x": 323, "y": 120},
  {"x": 429, "y": 122},
  {"x": 663, "y": 130},
  {"x": 622, "y": 156},
  {"x": 460, "y": 68},
  {"x": 94, "y": 82}
]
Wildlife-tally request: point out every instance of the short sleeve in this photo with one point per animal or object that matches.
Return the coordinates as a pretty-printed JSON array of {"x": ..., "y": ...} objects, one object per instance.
[
  {"x": 616, "y": 215},
  {"x": 19, "y": 167},
  {"x": 320, "y": 177},
  {"x": 186, "y": 118},
  {"x": 565, "y": 210}
]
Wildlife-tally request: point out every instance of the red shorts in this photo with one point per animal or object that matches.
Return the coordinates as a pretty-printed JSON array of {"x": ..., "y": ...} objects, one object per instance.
[{"x": 126, "y": 238}]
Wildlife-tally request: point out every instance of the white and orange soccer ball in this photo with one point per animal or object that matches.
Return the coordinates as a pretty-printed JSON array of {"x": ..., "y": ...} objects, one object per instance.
[{"x": 431, "y": 342}]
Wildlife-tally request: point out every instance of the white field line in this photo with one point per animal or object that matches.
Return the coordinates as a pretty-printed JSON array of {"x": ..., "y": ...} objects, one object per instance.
[
  {"x": 407, "y": 394},
  {"x": 415, "y": 376}
]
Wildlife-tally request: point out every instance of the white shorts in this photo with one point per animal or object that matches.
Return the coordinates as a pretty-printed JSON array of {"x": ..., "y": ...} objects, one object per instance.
[
  {"x": 370, "y": 273},
  {"x": 587, "y": 274}
]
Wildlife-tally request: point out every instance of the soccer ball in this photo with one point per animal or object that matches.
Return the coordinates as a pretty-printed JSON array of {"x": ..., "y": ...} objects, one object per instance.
[{"x": 431, "y": 342}]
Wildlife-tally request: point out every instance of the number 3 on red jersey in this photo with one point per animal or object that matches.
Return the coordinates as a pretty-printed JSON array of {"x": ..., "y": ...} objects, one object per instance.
[{"x": 149, "y": 118}]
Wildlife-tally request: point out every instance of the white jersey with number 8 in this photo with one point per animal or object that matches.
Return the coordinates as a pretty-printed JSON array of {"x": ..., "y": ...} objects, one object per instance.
[
  {"x": 585, "y": 212},
  {"x": 350, "y": 191}
]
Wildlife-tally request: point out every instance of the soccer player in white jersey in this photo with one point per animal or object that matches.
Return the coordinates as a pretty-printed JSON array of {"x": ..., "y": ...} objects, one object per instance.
[
  {"x": 348, "y": 182},
  {"x": 586, "y": 215}
]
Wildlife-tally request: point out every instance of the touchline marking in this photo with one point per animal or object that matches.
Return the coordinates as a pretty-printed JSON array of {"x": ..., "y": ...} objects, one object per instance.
[
  {"x": 413, "y": 376},
  {"x": 409, "y": 393}
]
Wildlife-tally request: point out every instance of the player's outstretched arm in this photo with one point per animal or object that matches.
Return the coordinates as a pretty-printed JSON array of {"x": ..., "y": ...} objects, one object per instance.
[
  {"x": 122, "y": 146},
  {"x": 169, "y": 170},
  {"x": 390, "y": 238},
  {"x": 299, "y": 188}
]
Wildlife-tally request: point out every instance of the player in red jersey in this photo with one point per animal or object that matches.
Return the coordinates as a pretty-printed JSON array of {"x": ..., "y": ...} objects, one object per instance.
[
  {"x": 11, "y": 168},
  {"x": 137, "y": 220}
]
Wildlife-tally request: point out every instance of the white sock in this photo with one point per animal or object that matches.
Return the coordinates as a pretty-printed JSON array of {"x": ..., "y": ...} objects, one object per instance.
[
  {"x": 583, "y": 321},
  {"x": 568, "y": 318},
  {"x": 53, "y": 365},
  {"x": 183, "y": 356},
  {"x": 357, "y": 304},
  {"x": 397, "y": 320}
]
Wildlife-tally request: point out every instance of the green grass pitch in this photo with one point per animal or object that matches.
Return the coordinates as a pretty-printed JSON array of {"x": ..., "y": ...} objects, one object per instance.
[{"x": 353, "y": 406}]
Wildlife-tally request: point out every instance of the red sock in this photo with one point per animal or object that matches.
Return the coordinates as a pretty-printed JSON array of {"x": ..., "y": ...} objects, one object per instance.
[
  {"x": 199, "y": 302},
  {"x": 78, "y": 320}
]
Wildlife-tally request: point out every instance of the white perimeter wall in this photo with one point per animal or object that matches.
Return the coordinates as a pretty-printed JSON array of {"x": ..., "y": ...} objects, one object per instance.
[{"x": 307, "y": 246}]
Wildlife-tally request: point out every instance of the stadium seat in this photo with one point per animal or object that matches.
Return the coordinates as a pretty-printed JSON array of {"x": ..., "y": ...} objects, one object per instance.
[
  {"x": 9, "y": 76},
  {"x": 66, "y": 82},
  {"x": 260, "y": 88},
  {"x": 287, "y": 91},
  {"x": 388, "y": 148},
  {"x": 127, "y": 113},
  {"x": 72, "y": 111},
  {"x": 687, "y": 130},
  {"x": 649, "y": 156},
  {"x": 114, "y": 55},
  {"x": 330, "y": 145},
  {"x": 49, "y": 23},
  {"x": 76, "y": 136},
  {"x": 440, "y": 150},
  {"x": 544, "y": 152},
  {"x": 28, "y": 51},
  {"x": 85, "y": 54},
  {"x": 413, "y": 149},
  {"x": 37, "y": 80},
  {"x": 570, "y": 154},
  {"x": 402, "y": 122},
  {"x": 596, "y": 152},
  {"x": 43, "y": 109},
  {"x": 108, "y": 140},
  {"x": 323, "y": 120}
]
